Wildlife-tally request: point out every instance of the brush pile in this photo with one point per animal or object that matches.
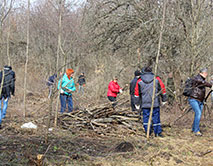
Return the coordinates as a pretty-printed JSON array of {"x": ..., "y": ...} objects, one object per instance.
[{"x": 102, "y": 118}]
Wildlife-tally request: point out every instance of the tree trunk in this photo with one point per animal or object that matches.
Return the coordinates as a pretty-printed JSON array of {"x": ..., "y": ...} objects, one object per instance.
[
  {"x": 156, "y": 68},
  {"x": 27, "y": 57}
]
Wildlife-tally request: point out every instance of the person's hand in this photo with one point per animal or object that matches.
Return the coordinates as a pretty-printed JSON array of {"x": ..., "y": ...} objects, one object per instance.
[
  {"x": 212, "y": 87},
  {"x": 120, "y": 90},
  {"x": 174, "y": 92},
  {"x": 137, "y": 107},
  {"x": 163, "y": 103}
]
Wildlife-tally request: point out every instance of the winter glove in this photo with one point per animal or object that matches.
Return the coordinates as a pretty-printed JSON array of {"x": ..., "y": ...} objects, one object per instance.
[
  {"x": 120, "y": 90},
  {"x": 137, "y": 107}
]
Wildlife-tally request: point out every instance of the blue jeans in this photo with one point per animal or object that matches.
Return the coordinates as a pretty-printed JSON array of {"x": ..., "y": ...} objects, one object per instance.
[
  {"x": 155, "y": 119},
  {"x": 3, "y": 111},
  {"x": 197, "y": 107},
  {"x": 81, "y": 89},
  {"x": 64, "y": 100}
]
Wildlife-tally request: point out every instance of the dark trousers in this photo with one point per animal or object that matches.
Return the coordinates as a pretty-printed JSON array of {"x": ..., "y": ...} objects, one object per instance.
[
  {"x": 132, "y": 102},
  {"x": 113, "y": 100},
  {"x": 64, "y": 100},
  {"x": 155, "y": 119}
]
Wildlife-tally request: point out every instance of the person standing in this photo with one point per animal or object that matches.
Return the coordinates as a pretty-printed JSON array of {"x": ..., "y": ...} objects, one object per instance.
[
  {"x": 113, "y": 90},
  {"x": 170, "y": 88},
  {"x": 66, "y": 86},
  {"x": 8, "y": 89},
  {"x": 50, "y": 83},
  {"x": 81, "y": 82},
  {"x": 134, "y": 98},
  {"x": 145, "y": 92},
  {"x": 196, "y": 98}
]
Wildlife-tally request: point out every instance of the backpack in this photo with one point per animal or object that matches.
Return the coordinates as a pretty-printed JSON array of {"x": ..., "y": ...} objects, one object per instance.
[{"x": 188, "y": 87}]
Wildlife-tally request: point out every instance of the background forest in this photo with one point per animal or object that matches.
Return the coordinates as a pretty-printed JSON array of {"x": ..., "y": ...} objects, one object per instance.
[{"x": 104, "y": 38}]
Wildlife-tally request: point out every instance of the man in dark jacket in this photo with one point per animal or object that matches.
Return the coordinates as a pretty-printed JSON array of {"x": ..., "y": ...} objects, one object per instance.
[
  {"x": 50, "y": 83},
  {"x": 8, "y": 89},
  {"x": 197, "y": 97},
  {"x": 134, "y": 98},
  {"x": 145, "y": 93},
  {"x": 81, "y": 82}
]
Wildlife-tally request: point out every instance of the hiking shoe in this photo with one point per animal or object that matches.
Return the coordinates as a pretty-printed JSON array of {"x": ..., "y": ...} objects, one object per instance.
[
  {"x": 198, "y": 134},
  {"x": 159, "y": 135}
]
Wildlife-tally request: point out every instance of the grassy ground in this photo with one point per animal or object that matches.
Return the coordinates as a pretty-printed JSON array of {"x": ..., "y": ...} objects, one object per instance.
[{"x": 87, "y": 148}]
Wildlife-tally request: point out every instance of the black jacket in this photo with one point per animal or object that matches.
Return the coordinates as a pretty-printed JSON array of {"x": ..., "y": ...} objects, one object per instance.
[
  {"x": 199, "y": 87},
  {"x": 132, "y": 86},
  {"x": 81, "y": 80},
  {"x": 9, "y": 82}
]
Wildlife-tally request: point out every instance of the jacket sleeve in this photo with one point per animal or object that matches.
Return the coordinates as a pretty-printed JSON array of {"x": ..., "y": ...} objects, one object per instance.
[
  {"x": 12, "y": 85},
  {"x": 200, "y": 83},
  {"x": 162, "y": 88}
]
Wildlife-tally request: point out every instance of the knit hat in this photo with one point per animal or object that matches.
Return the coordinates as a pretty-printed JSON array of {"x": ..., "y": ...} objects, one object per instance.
[
  {"x": 203, "y": 70},
  {"x": 137, "y": 73},
  {"x": 6, "y": 67},
  {"x": 69, "y": 72}
]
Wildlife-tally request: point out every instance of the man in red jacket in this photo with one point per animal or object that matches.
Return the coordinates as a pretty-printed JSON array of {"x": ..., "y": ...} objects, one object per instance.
[{"x": 113, "y": 90}]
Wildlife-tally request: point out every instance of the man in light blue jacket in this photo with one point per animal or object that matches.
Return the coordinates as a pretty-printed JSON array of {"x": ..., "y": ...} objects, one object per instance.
[{"x": 66, "y": 87}]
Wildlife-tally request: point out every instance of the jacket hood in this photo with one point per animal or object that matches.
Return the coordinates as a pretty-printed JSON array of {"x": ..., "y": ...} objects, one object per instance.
[{"x": 147, "y": 77}]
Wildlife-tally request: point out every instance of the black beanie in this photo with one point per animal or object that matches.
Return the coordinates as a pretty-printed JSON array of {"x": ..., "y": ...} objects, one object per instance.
[{"x": 137, "y": 73}]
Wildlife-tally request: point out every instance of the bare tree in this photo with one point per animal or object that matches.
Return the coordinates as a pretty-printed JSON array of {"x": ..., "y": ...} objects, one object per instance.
[{"x": 27, "y": 57}]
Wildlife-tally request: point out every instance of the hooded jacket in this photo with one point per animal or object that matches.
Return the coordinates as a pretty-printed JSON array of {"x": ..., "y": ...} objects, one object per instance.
[
  {"x": 9, "y": 82},
  {"x": 145, "y": 87}
]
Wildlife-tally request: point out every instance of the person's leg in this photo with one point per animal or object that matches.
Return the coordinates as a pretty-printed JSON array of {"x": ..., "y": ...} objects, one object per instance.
[
  {"x": 146, "y": 112},
  {"x": 197, "y": 109},
  {"x": 113, "y": 100},
  {"x": 63, "y": 99},
  {"x": 70, "y": 104},
  {"x": 132, "y": 103},
  {"x": 50, "y": 91},
  {"x": 0, "y": 113},
  {"x": 5, "y": 105},
  {"x": 156, "y": 120}
]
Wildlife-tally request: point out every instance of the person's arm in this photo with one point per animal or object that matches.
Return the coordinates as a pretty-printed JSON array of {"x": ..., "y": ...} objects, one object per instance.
[
  {"x": 200, "y": 83},
  {"x": 12, "y": 84},
  {"x": 162, "y": 89}
]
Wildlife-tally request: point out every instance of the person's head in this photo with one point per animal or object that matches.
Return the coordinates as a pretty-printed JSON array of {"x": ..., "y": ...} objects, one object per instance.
[
  {"x": 137, "y": 73},
  {"x": 147, "y": 69},
  {"x": 115, "y": 79},
  {"x": 170, "y": 75},
  {"x": 82, "y": 73},
  {"x": 69, "y": 73},
  {"x": 6, "y": 67},
  {"x": 204, "y": 72}
]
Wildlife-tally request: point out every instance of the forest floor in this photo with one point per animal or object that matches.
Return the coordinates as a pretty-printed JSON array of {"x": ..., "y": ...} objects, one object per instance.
[{"x": 87, "y": 148}]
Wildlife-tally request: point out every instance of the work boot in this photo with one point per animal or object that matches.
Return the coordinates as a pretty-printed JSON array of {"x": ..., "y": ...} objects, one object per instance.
[
  {"x": 159, "y": 135},
  {"x": 198, "y": 134}
]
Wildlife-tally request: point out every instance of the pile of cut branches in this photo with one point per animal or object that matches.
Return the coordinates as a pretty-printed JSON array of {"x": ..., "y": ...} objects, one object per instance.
[{"x": 102, "y": 118}]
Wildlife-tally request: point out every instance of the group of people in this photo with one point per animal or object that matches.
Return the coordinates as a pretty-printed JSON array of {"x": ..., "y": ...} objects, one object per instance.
[{"x": 141, "y": 92}]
